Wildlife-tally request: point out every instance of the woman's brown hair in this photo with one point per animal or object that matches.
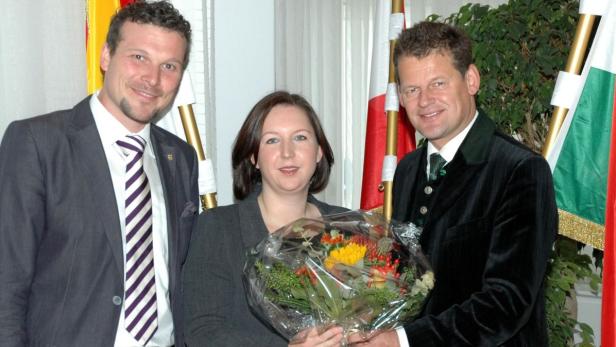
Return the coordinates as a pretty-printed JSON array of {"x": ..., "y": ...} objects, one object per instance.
[{"x": 246, "y": 147}]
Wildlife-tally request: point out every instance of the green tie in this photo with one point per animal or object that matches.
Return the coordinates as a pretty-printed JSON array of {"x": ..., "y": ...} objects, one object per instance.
[{"x": 436, "y": 165}]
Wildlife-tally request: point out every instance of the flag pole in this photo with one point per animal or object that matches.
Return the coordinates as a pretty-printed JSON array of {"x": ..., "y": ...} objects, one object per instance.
[
  {"x": 183, "y": 101},
  {"x": 392, "y": 116},
  {"x": 574, "y": 66},
  {"x": 208, "y": 200}
]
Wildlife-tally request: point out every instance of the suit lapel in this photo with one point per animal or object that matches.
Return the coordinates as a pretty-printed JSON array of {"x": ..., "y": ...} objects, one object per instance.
[
  {"x": 88, "y": 148},
  {"x": 470, "y": 158},
  {"x": 166, "y": 157},
  {"x": 455, "y": 183},
  {"x": 404, "y": 193},
  {"x": 252, "y": 226}
]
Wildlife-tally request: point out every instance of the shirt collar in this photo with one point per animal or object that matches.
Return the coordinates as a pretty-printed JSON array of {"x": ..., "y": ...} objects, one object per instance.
[
  {"x": 449, "y": 150},
  {"x": 109, "y": 128}
]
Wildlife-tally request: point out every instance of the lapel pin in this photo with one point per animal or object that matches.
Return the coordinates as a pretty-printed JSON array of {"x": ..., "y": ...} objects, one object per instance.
[{"x": 170, "y": 157}]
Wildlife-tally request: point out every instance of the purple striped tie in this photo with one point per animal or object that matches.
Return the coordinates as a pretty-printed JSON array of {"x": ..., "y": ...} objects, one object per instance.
[{"x": 139, "y": 286}]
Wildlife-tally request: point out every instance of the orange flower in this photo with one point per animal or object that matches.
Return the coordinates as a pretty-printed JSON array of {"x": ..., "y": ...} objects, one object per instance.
[{"x": 328, "y": 239}]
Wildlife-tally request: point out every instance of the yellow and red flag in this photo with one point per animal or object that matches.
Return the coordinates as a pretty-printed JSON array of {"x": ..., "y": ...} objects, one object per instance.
[{"x": 98, "y": 14}]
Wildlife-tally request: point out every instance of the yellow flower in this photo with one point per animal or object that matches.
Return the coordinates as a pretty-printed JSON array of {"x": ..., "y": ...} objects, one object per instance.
[{"x": 347, "y": 255}]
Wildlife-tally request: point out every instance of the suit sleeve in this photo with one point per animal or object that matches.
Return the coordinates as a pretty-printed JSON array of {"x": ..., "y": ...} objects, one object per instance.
[
  {"x": 523, "y": 230},
  {"x": 22, "y": 222}
]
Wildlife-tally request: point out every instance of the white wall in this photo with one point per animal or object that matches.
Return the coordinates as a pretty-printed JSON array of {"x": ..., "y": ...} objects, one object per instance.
[
  {"x": 244, "y": 73},
  {"x": 588, "y": 310}
]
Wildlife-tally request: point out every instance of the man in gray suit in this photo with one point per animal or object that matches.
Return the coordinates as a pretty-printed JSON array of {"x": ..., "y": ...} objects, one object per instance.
[{"x": 97, "y": 203}]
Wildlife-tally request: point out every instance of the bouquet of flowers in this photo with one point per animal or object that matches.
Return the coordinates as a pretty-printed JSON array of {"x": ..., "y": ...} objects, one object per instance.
[{"x": 352, "y": 269}]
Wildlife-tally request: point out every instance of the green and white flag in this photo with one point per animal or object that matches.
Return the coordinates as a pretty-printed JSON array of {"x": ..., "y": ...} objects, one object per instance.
[
  {"x": 583, "y": 160},
  {"x": 580, "y": 156}
]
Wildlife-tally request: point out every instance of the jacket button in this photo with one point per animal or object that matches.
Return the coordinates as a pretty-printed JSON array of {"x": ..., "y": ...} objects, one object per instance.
[
  {"x": 423, "y": 210},
  {"x": 428, "y": 190},
  {"x": 117, "y": 300}
]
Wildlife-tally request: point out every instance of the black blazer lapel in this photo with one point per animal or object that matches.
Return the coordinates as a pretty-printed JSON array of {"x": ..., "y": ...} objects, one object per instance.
[
  {"x": 89, "y": 152},
  {"x": 404, "y": 183},
  {"x": 470, "y": 158},
  {"x": 459, "y": 175}
]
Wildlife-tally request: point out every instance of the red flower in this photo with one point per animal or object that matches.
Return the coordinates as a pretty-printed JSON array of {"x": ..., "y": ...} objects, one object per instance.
[{"x": 304, "y": 273}]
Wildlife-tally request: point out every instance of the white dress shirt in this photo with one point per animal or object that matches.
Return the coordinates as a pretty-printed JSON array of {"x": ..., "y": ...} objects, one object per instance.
[
  {"x": 448, "y": 151},
  {"x": 110, "y": 131}
]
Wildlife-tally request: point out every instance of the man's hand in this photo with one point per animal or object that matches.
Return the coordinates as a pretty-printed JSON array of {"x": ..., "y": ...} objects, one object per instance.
[
  {"x": 384, "y": 339},
  {"x": 329, "y": 338}
]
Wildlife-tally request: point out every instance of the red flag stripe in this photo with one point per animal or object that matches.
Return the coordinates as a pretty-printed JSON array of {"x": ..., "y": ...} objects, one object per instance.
[
  {"x": 376, "y": 139},
  {"x": 608, "y": 305}
]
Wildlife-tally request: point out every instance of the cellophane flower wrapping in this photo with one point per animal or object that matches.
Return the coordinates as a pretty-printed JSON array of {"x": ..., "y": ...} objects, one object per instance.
[{"x": 352, "y": 269}]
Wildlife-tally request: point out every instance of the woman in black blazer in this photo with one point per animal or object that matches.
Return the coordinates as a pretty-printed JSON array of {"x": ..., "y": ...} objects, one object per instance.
[{"x": 280, "y": 157}]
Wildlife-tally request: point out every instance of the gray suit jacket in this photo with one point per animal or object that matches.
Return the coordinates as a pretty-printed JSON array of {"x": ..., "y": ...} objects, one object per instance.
[
  {"x": 217, "y": 312},
  {"x": 61, "y": 261}
]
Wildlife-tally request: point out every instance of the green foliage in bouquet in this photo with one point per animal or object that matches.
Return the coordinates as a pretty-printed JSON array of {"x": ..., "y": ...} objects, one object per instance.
[
  {"x": 346, "y": 279},
  {"x": 519, "y": 48},
  {"x": 284, "y": 286}
]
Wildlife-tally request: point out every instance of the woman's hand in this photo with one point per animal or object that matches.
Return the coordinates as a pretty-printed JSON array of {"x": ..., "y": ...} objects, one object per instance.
[{"x": 330, "y": 337}]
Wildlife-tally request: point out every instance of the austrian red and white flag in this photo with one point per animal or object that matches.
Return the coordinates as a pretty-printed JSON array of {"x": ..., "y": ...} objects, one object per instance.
[{"x": 383, "y": 97}]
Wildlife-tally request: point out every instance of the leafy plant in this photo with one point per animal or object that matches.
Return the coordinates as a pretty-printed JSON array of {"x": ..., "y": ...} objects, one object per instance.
[
  {"x": 566, "y": 266},
  {"x": 519, "y": 48}
]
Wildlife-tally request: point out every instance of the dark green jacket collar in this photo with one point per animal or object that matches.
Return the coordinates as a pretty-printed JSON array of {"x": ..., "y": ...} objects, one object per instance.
[{"x": 476, "y": 146}]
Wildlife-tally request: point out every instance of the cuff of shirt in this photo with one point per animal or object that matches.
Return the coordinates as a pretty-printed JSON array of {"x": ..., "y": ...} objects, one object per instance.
[{"x": 403, "y": 340}]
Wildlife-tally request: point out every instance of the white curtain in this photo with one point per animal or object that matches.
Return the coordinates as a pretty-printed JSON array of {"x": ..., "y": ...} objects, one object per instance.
[
  {"x": 323, "y": 51},
  {"x": 42, "y": 58},
  {"x": 320, "y": 53}
]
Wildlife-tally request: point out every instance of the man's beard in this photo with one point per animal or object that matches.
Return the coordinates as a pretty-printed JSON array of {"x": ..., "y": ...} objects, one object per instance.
[{"x": 126, "y": 108}]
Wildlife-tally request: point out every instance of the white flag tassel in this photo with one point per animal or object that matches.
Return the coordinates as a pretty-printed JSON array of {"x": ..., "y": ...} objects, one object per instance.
[
  {"x": 389, "y": 167},
  {"x": 185, "y": 95},
  {"x": 391, "y": 98},
  {"x": 567, "y": 86},
  {"x": 594, "y": 7},
  {"x": 396, "y": 24},
  {"x": 573, "y": 67},
  {"x": 183, "y": 101},
  {"x": 207, "y": 182}
]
